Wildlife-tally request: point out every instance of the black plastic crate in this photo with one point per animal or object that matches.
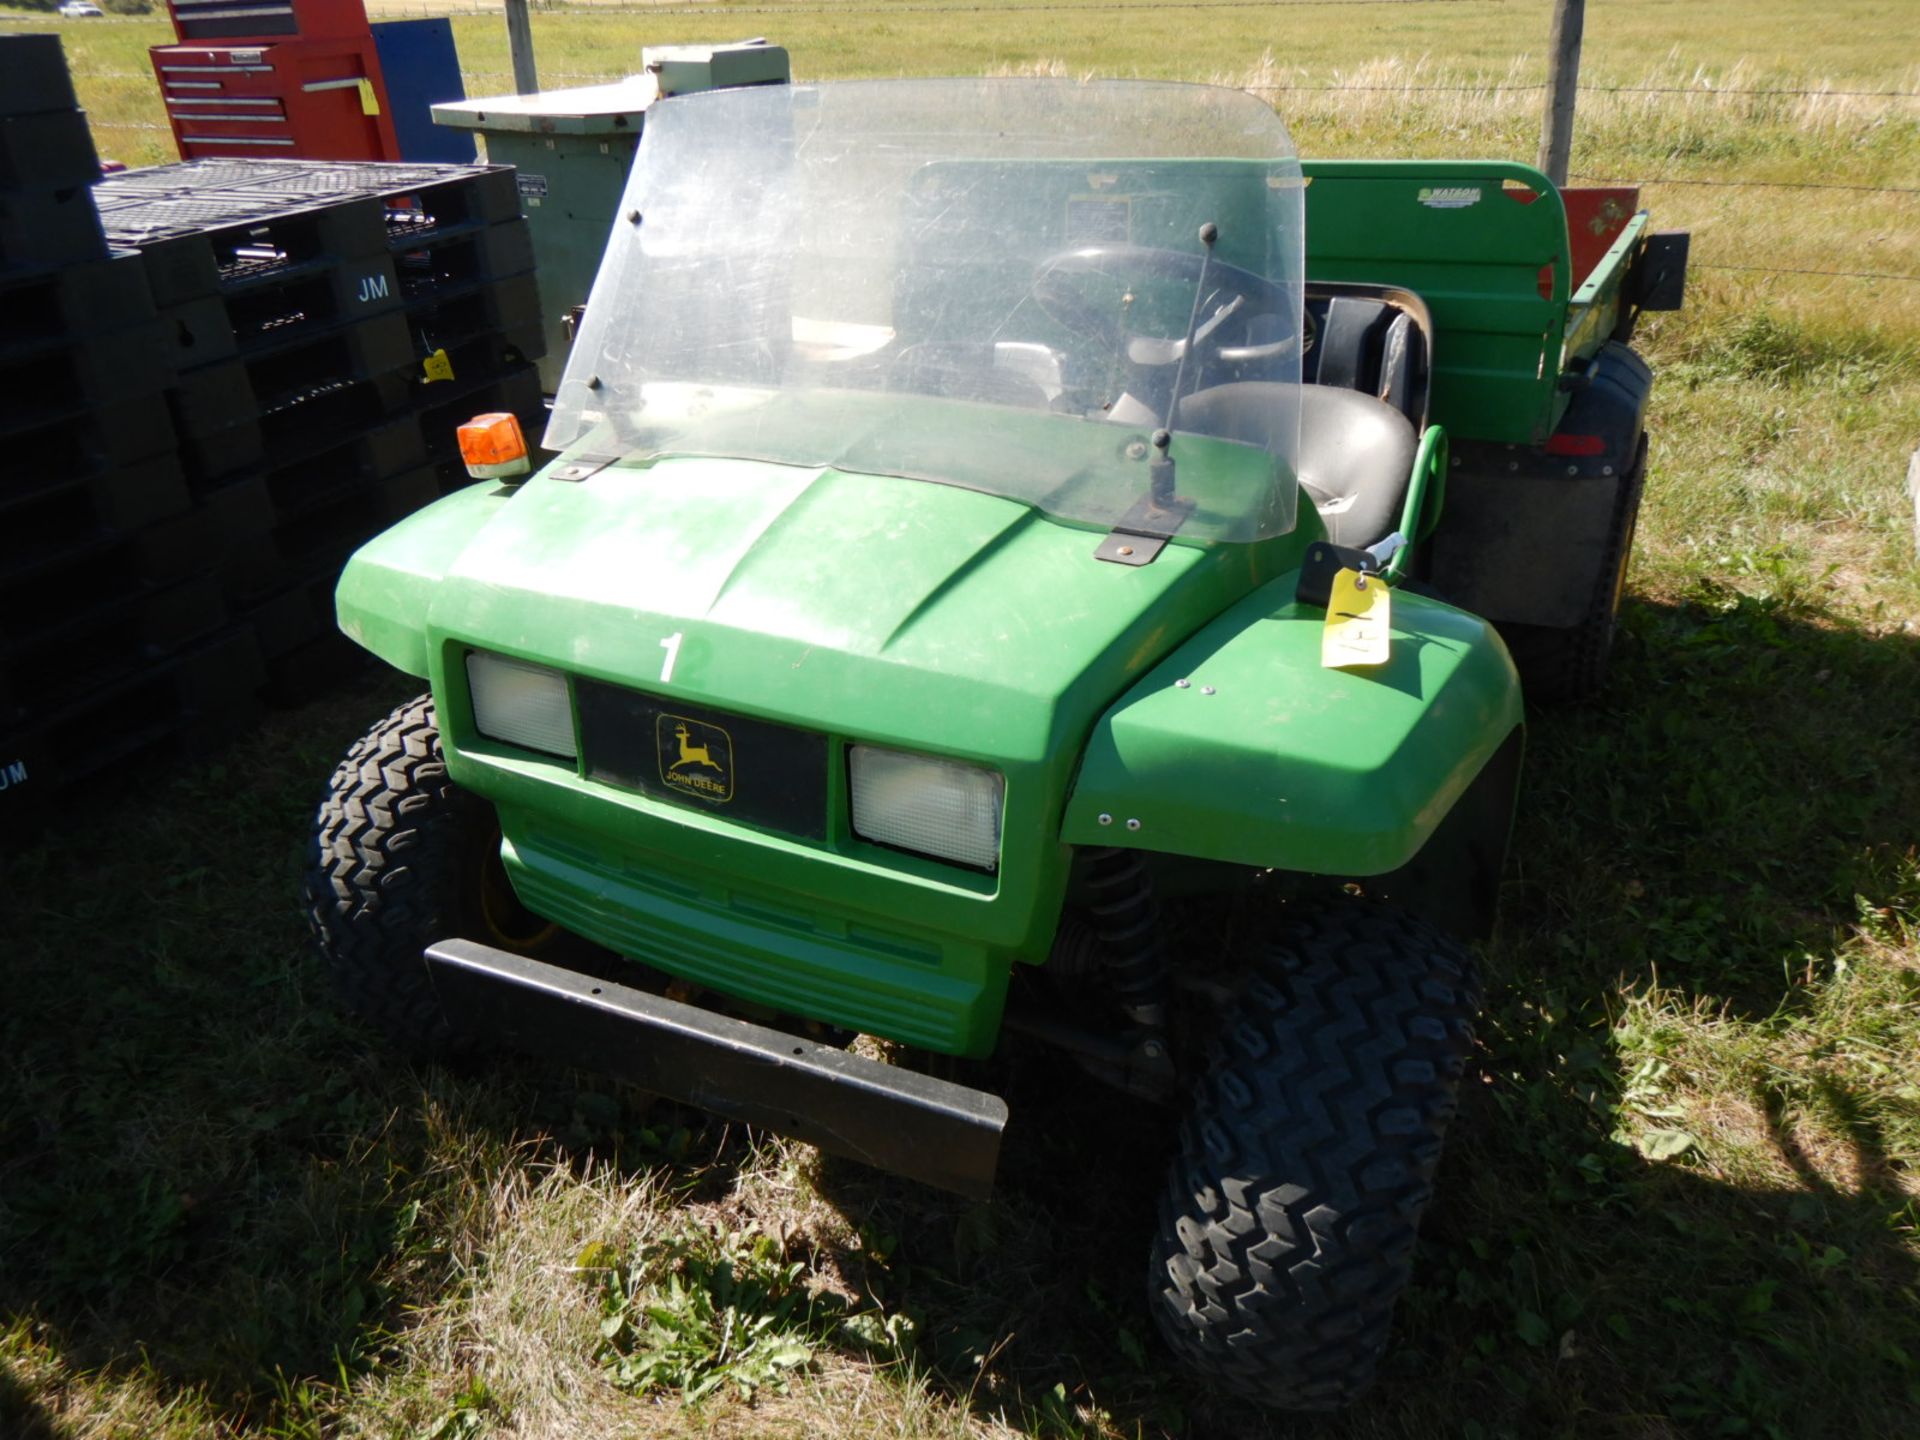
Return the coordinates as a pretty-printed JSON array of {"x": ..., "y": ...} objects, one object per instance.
[
  {"x": 316, "y": 669},
  {"x": 390, "y": 448},
  {"x": 334, "y": 525},
  {"x": 296, "y": 613},
  {"x": 77, "y": 376},
  {"x": 51, "y": 150},
  {"x": 186, "y": 704},
  {"x": 188, "y": 176},
  {"x": 75, "y": 620},
  {"x": 218, "y": 397},
  {"x": 257, "y": 319},
  {"x": 214, "y": 242},
  {"x": 46, "y": 612},
  {"x": 51, "y": 307},
  {"x": 33, "y": 75},
  {"x": 302, "y": 425},
  {"x": 306, "y": 423},
  {"x": 44, "y": 511},
  {"x": 462, "y": 262},
  {"x": 344, "y": 520},
  {"x": 488, "y": 355},
  {"x": 106, "y": 645},
  {"x": 43, "y": 588},
  {"x": 300, "y": 608},
  {"x": 429, "y": 197},
  {"x": 421, "y": 200},
  {"x": 472, "y": 200},
  {"x": 295, "y": 181},
  {"x": 79, "y": 444},
  {"x": 505, "y": 307},
  {"x": 45, "y": 229},
  {"x": 300, "y": 495},
  {"x": 301, "y": 446}
]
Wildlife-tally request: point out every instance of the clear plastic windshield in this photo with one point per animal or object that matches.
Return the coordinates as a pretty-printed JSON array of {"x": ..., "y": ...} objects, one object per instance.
[{"x": 1007, "y": 285}]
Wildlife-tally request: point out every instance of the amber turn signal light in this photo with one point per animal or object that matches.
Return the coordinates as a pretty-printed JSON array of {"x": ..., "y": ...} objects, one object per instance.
[{"x": 493, "y": 447}]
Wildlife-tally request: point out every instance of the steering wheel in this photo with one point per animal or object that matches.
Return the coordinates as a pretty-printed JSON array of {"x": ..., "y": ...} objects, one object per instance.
[{"x": 1058, "y": 293}]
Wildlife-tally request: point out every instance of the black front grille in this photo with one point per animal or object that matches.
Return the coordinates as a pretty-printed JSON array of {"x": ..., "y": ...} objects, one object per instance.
[{"x": 747, "y": 770}]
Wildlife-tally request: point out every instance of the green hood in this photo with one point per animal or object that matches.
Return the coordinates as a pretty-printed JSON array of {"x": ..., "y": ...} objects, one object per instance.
[{"x": 918, "y": 614}]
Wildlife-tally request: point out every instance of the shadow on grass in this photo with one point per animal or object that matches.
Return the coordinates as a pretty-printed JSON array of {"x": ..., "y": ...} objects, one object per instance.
[
  {"x": 209, "y": 1181},
  {"x": 213, "y": 1188},
  {"x": 1749, "y": 781},
  {"x": 21, "y": 1416},
  {"x": 1564, "y": 1286}
]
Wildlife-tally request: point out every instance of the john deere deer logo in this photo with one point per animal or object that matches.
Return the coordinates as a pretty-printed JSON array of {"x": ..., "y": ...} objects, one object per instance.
[
  {"x": 695, "y": 758},
  {"x": 690, "y": 753}
]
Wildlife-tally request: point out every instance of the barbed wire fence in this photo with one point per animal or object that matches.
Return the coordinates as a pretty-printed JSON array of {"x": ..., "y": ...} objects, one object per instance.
[
  {"x": 1496, "y": 88},
  {"x": 668, "y": 9},
  {"x": 1503, "y": 87}
]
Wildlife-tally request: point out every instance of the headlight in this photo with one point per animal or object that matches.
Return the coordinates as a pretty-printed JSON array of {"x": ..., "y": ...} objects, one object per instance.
[
  {"x": 521, "y": 704},
  {"x": 935, "y": 807}
]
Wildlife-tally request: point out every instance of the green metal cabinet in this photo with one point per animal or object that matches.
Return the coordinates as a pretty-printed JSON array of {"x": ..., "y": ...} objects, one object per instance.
[{"x": 573, "y": 149}]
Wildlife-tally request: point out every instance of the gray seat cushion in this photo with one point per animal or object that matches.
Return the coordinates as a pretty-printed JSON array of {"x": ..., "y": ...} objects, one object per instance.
[{"x": 1355, "y": 457}]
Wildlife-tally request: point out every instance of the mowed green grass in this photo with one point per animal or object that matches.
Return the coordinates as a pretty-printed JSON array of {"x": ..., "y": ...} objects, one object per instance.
[{"x": 1682, "y": 1196}]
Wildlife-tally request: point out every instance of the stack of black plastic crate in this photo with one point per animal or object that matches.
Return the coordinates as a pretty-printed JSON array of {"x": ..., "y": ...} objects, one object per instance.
[
  {"x": 329, "y": 326},
  {"x": 116, "y": 641}
]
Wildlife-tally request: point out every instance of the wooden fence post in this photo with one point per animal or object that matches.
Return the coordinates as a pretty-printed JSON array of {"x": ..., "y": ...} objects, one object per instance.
[
  {"x": 1563, "y": 79},
  {"x": 1913, "y": 490},
  {"x": 520, "y": 44}
]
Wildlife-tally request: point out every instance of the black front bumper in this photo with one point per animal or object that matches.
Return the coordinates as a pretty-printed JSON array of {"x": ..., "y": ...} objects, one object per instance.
[{"x": 926, "y": 1129}]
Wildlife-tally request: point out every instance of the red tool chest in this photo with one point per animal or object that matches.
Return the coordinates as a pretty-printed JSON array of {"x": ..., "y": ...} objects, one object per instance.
[
  {"x": 228, "y": 20},
  {"x": 285, "y": 78}
]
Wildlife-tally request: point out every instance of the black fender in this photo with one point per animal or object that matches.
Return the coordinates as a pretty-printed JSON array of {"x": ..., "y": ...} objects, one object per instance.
[{"x": 1524, "y": 534}]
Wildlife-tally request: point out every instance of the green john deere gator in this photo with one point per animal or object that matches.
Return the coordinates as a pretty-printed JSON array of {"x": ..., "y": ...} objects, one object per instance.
[{"x": 989, "y": 518}]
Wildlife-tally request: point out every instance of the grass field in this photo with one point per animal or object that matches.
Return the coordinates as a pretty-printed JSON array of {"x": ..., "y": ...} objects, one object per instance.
[{"x": 1683, "y": 1196}]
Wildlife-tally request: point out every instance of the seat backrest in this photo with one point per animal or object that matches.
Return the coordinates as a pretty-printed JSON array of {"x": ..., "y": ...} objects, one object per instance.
[
  {"x": 1372, "y": 346},
  {"x": 1355, "y": 454}
]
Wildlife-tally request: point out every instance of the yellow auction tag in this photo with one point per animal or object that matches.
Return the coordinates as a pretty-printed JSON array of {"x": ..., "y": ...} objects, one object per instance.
[
  {"x": 1359, "y": 611},
  {"x": 438, "y": 367},
  {"x": 369, "y": 102}
]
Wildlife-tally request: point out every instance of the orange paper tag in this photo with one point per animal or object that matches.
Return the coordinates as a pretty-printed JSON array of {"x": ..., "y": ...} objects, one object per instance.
[{"x": 1359, "y": 612}]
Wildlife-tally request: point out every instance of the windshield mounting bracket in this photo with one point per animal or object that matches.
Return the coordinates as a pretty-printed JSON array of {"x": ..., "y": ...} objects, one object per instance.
[
  {"x": 577, "y": 470},
  {"x": 1142, "y": 533}
]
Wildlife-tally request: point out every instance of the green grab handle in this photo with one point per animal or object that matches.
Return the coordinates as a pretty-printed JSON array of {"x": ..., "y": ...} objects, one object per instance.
[{"x": 1426, "y": 493}]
